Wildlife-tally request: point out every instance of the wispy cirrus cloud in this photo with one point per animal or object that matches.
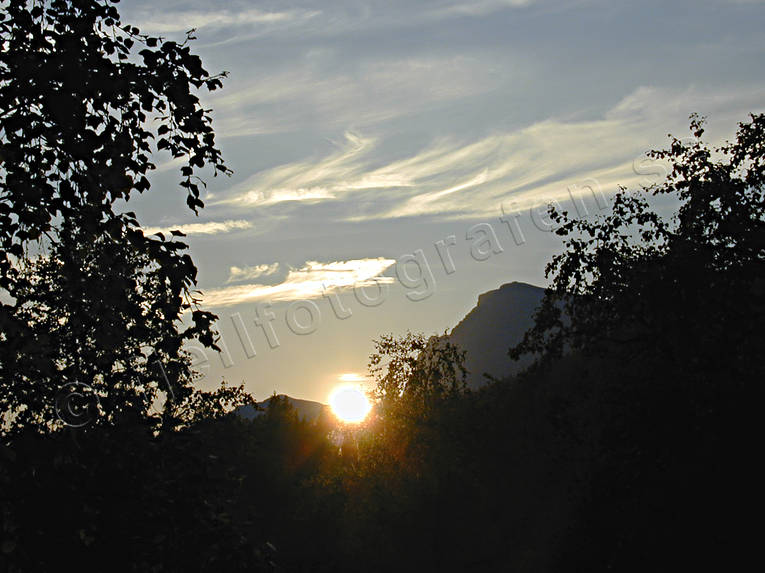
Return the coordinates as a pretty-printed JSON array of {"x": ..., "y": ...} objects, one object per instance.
[
  {"x": 180, "y": 20},
  {"x": 456, "y": 179},
  {"x": 479, "y": 7},
  {"x": 309, "y": 281},
  {"x": 315, "y": 93},
  {"x": 208, "y": 228},
  {"x": 238, "y": 274},
  {"x": 305, "y": 180},
  {"x": 334, "y": 18}
]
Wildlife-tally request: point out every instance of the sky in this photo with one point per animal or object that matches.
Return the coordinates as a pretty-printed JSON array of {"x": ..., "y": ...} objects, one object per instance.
[{"x": 393, "y": 160}]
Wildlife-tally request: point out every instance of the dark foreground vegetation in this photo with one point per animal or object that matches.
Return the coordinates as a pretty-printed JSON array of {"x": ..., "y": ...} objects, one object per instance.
[{"x": 628, "y": 446}]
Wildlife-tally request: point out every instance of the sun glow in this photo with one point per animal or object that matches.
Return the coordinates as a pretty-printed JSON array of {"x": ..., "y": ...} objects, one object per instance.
[{"x": 349, "y": 404}]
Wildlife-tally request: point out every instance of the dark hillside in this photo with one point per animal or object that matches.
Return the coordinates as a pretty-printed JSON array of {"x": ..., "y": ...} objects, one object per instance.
[{"x": 497, "y": 323}]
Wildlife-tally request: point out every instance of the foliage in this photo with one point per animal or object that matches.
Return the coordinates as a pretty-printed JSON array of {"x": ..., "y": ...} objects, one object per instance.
[
  {"x": 85, "y": 100},
  {"x": 634, "y": 279},
  {"x": 657, "y": 323},
  {"x": 80, "y": 93},
  {"x": 117, "y": 335},
  {"x": 415, "y": 368},
  {"x": 124, "y": 500},
  {"x": 87, "y": 301}
]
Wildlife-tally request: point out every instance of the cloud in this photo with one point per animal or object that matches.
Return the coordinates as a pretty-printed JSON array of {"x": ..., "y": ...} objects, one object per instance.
[
  {"x": 352, "y": 377},
  {"x": 231, "y": 24},
  {"x": 209, "y": 228},
  {"x": 348, "y": 171},
  {"x": 314, "y": 92},
  {"x": 309, "y": 281},
  {"x": 457, "y": 179},
  {"x": 304, "y": 181},
  {"x": 480, "y": 7},
  {"x": 165, "y": 22},
  {"x": 237, "y": 274}
]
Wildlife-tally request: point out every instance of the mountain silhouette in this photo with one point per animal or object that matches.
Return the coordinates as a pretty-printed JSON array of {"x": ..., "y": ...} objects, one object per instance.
[
  {"x": 307, "y": 410},
  {"x": 497, "y": 322}
]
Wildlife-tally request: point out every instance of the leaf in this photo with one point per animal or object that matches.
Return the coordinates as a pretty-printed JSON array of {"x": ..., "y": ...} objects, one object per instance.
[{"x": 8, "y": 546}]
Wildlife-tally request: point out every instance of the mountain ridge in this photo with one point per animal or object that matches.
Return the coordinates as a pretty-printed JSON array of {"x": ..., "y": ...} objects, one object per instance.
[
  {"x": 307, "y": 410},
  {"x": 498, "y": 321}
]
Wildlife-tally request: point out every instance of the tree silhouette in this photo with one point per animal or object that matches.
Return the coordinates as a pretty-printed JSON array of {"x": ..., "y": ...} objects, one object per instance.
[
  {"x": 84, "y": 102},
  {"x": 415, "y": 371},
  {"x": 635, "y": 279},
  {"x": 659, "y": 320}
]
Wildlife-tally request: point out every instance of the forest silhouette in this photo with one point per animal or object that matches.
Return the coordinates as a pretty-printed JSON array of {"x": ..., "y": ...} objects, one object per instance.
[{"x": 627, "y": 444}]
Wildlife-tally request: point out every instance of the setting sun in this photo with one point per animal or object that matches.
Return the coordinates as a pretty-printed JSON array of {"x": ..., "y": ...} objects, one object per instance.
[{"x": 349, "y": 404}]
